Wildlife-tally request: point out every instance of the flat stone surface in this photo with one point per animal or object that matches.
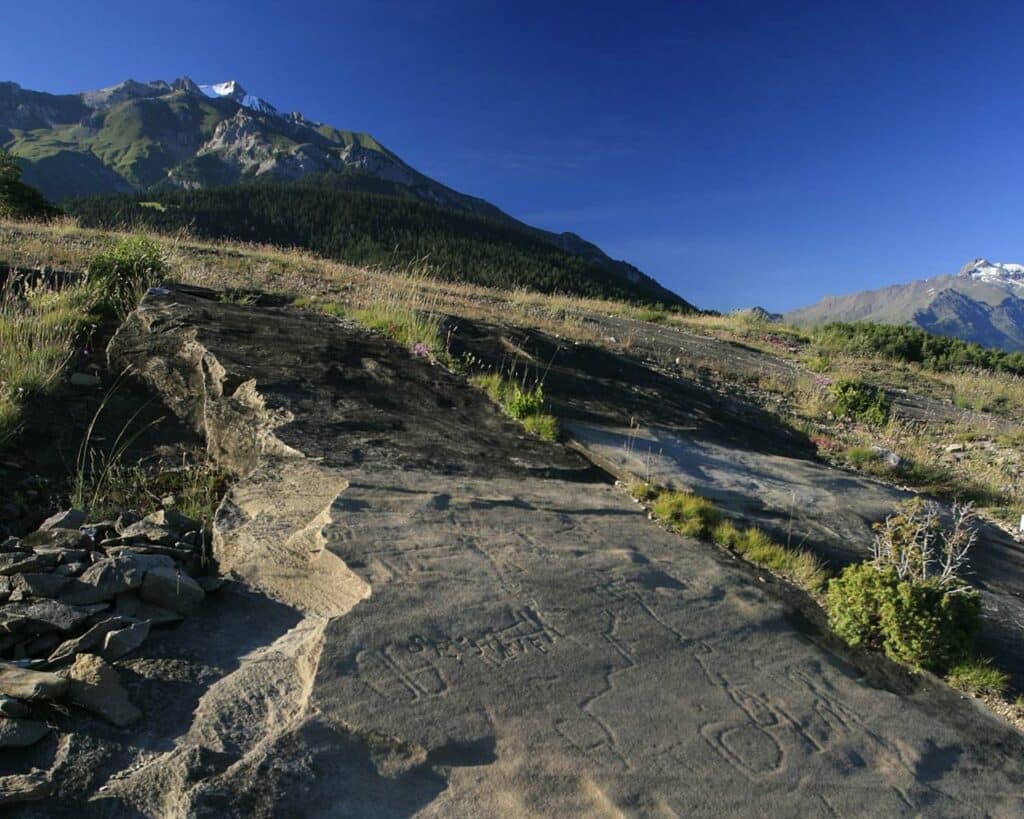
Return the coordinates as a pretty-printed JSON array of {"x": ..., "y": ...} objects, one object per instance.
[
  {"x": 29, "y": 787},
  {"x": 490, "y": 629}
]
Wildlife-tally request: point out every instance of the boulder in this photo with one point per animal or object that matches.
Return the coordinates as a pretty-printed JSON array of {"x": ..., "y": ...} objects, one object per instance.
[
  {"x": 164, "y": 527},
  {"x": 26, "y": 684},
  {"x": 68, "y": 519},
  {"x": 40, "y": 585},
  {"x": 14, "y": 544},
  {"x": 41, "y": 616},
  {"x": 24, "y": 787},
  {"x": 20, "y": 733},
  {"x": 110, "y": 576},
  {"x": 156, "y": 615},
  {"x": 10, "y": 707},
  {"x": 93, "y": 637},
  {"x": 118, "y": 643},
  {"x": 48, "y": 540},
  {"x": 171, "y": 588},
  {"x": 95, "y": 686},
  {"x": 20, "y": 562}
]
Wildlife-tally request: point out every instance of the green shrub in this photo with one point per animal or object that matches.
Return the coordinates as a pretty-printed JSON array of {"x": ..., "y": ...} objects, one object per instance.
[
  {"x": 862, "y": 402},
  {"x": 688, "y": 514},
  {"x": 122, "y": 272},
  {"x": 922, "y": 624}
]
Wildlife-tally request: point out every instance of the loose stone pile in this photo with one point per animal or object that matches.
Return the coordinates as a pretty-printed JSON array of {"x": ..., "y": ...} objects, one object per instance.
[{"x": 77, "y": 596}]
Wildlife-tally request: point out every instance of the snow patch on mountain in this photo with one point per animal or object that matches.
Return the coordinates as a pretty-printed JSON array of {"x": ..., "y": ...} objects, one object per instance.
[
  {"x": 232, "y": 89},
  {"x": 982, "y": 270}
]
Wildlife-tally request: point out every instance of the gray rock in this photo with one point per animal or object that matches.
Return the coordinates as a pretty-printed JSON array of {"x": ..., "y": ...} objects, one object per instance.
[
  {"x": 14, "y": 544},
  {"x": 10, "y": 707},
  {"x": 173, "y": 589},
  {"x": 95, "y": 686},
  {"x": 20, "y": 562},
  {"x": 71, "y": 569},
  {"x": 117, "y": 548},
  {"x": 887, "y": 457},
  {"x": 48, "y": 540},
  {"x": 164, "y": 527},
  {"x": 25, "y": 787},
  {"x": 27, "y": 684},
  {"x": 211, "y": 583},
  {"x": 118, "y": 643},
  {"x": 91, "y": 638},
  {"x": 20, "y": 733},
  {"x": 40, "y": 585},
  {"x": 68, "y": 519},
  {"x": 5, "y": 588},
  {"x": 110, "y": 576},
  {"x": 43, "y": 645},
  {"x": 41, "y": 616}
]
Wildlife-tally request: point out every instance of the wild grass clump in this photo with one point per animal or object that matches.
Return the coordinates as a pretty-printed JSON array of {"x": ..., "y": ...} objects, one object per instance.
[
  {"x": 687, "y": 514},
  {"x": 803, "y": 568},
  {"x": 123, "y": 271},
  {"x": 39, "y": 328},
  {"x": 694, "y": 516},
  {"x": 910, "y": 600},
  {"x": 525, "y": 404},
  {"x": 979, "y": 677}
]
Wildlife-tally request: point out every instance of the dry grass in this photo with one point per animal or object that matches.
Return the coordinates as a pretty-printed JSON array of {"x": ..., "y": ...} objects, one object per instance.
[{"x": 39, "y": 327}]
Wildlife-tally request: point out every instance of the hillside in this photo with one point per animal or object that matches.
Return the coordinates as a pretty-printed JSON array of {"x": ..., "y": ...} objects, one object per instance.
[
  {"x": 160, "y": 138},
  {"x": 983, "y": 303},
  {"x": 367, "y": 222},
  {"x": 365, "y": 524}
]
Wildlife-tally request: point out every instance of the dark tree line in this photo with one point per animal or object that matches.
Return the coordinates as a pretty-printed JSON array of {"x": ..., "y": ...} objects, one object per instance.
[
  {"x": 912, "y": 345},
  {"x": 363, "y": 228}
]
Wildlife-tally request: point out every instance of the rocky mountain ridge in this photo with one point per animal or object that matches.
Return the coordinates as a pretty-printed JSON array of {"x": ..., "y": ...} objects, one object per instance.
[
  {"x": 983, "y": 303},
  {"x": 158, "y": 136}
]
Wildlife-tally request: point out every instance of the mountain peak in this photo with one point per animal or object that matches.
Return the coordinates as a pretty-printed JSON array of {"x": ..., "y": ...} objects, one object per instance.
[
  {"x": 232, "y": 89},
  {"x": 983, "y": 270}
]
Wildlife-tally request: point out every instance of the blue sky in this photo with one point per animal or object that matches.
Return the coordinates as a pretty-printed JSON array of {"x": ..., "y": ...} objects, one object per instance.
[{"x": 741, "y": 153}]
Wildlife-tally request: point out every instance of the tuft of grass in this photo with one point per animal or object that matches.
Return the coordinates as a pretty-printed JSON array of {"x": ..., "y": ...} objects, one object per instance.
[
  {"x": 978, "y": 677},
  {"x": 803, "y": 568},
  {"x": 543, "y": 426},
  {"x": 525, "y": 404},
  {"x": 39, "y": 328},
  {"x": 687, "y": 514},
  {"x": 122, "y": 272},
  {"x": 644, "y": 491}
]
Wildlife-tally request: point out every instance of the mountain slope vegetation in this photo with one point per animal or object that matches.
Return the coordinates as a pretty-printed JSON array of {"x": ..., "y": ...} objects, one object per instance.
[
  {"x": 366, "y": 222},
  {"x": 159, "y": 138}
]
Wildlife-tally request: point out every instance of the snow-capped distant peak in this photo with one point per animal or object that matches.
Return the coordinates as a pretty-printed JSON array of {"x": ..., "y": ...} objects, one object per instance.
[
  {"x": 982, "y": 270},
  {"x": 233, "y": 90}
]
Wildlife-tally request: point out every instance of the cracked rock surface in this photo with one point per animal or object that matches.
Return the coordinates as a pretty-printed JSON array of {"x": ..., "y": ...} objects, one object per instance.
[{"x": 483, "y": 625}]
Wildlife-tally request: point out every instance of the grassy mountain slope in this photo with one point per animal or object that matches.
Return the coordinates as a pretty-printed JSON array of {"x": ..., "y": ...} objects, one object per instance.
[{"x": 160, "y": 138}]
